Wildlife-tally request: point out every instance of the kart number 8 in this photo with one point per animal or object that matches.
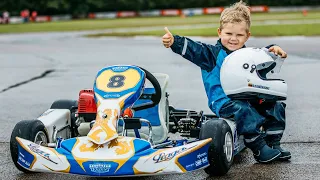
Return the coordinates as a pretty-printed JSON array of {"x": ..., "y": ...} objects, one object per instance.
[{"x": 116, "y": 81}]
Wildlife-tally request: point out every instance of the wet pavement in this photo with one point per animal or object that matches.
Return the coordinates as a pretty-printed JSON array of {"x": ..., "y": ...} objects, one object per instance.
[{"x": 71, "y": 63}]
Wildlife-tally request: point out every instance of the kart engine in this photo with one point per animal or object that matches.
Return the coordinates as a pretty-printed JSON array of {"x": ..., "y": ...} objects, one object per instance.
[
  {"x": 87, "y": 107},
  {"x": 87, "y": 110},
  {"x": 185, "y": 122}
]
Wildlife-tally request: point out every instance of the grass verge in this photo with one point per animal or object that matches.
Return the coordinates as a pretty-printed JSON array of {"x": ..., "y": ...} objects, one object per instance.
[
  {"x": 99, "y": 24},
  {"x": 270, "y": 30}
]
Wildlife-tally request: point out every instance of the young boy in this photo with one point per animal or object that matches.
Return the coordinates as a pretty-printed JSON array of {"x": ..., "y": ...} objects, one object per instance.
[{"x": 249, "y": 117}]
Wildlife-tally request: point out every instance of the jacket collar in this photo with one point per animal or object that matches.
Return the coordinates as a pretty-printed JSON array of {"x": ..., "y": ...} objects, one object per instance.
[{"x": 225, "y": 49}]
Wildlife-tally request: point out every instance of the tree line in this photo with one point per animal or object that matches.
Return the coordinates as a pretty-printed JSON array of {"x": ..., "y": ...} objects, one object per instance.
[{"x": 83, "y": 7}]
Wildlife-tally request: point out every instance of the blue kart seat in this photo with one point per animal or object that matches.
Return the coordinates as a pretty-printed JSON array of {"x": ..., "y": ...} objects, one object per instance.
[
  {"x": 157, "y": 115},
  {"x": 151, "y": 114}
]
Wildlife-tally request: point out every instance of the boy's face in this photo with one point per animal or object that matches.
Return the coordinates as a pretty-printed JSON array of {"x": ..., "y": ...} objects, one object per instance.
[{"x": 233, "y": 35}]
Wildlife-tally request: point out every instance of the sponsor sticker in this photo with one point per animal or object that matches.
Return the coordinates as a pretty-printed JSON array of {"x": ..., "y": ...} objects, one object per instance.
[
  {"x": 258, "y": 86},
  {"x": 120, "y": 68},
  {"x": 202, "y": 158},
  {"x": 20, "y": 154},
  {"x": 199, "y": 156},
  {"x": 198, "y": 162},
  {"x": 190, "y": 166},
  {"x": 196, "y": 159},
  {"x": 35, "y": 148},
  {"x": 111, "y": 95},
  {"x": 100, "y": 167},
  {"x": 26, "y": 163},
  {"x": 168, "y": 156}
]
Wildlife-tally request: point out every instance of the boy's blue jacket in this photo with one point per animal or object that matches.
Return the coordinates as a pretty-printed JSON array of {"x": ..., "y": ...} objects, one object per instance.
[{"x": 209, "y": 58}]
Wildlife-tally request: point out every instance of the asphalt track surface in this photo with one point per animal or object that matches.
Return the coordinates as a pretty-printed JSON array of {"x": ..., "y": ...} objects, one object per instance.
[{"x": 36, "y": 69}]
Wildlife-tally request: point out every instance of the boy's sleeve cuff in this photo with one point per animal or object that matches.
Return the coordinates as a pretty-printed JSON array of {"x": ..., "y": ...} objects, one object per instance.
[{"x": 178, "y": 43}]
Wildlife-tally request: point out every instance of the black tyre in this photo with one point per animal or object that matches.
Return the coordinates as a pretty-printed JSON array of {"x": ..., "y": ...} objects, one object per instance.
[
  {"x": 72, "y": 106},
  {"x": 32, "y": 130},
  {"x": 167, "y": 113},
  {"x": 64, "y": 104},
  {"x": 221, "y": 148}
]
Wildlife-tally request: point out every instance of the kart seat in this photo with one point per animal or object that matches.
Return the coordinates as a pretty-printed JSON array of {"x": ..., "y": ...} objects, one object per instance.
[{"x": 157, "y": 115}]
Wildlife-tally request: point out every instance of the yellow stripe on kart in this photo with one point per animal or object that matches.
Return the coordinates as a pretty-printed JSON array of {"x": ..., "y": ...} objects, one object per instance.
[
  {"x": 66, "y": 160},
  {"x": 80, "y": 161},
  {"x": 124, "y": 148}
]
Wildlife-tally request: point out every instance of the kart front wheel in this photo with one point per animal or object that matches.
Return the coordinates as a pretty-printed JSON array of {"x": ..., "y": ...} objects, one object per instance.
[
  {"x": 32, "y": 130},
  {"x": 220, "y": 152}
]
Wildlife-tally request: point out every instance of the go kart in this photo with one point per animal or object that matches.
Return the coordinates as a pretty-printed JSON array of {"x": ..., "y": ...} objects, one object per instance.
[{"x": 121, "y": 127}]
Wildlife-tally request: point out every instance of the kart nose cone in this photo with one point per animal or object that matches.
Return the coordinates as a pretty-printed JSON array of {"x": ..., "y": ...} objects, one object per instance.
[
  {"x": 101, "y": 135},
  {"x": 103, "y": 129}
]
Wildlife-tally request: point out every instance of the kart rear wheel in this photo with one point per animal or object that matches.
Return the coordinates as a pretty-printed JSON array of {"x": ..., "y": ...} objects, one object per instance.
[
  {"x": 64, "y": 104},
  {"x": 221, "y": 149},
  {"x": 32, "y": 130}
]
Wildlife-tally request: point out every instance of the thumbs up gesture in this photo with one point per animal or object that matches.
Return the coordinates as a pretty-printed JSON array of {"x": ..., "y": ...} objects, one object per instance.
[{"x": 167, "y": 39}]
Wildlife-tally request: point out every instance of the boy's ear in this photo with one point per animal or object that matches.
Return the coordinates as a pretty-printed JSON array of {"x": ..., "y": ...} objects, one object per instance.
[
  {"x": 219, "y": 31},
  {"x": 248, "y": 34}
]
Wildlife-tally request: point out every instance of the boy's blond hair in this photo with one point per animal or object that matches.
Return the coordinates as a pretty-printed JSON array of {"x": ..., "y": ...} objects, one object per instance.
[{"x": 237, "y": 13}]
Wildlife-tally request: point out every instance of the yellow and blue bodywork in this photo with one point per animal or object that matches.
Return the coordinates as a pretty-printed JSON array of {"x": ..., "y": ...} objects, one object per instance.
[
  {"x": 103, "y": 152},
  {"x": 127, "y": 157}
]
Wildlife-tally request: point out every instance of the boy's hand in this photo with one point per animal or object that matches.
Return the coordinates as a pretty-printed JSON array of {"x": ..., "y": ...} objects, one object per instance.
[
  {"x": 278, "y": 51},
  {"x": 167, "y": 39}
]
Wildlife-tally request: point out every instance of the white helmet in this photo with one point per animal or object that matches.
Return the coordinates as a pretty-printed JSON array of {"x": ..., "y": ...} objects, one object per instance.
[{"x": 247, "y": 72}]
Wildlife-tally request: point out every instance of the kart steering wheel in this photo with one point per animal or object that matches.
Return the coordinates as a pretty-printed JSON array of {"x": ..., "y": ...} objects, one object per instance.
[{"x": 155, "y": 97}]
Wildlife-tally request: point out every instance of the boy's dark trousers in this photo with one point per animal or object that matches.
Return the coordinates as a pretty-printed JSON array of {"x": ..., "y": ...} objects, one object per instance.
[{"x": 251, "y": 116}]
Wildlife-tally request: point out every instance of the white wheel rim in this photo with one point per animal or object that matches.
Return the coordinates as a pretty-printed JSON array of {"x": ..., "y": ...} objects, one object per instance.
[
  {"x": 228, "y": 144},
  {"x": 40, "y": 138}
]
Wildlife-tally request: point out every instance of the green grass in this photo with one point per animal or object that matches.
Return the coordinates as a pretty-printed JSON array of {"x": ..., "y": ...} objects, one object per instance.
[
  {"x": 99, "y": 24},
  {"x": 287, "y": 30},
  {"x": 271, "y": 30}
]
